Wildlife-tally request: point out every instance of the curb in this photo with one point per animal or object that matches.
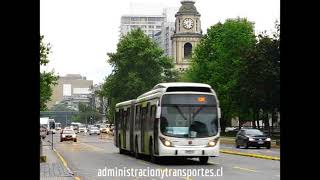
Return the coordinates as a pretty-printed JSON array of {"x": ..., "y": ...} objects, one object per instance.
[
  {"x": 63, "y": 161},
  {"x": 250, "y": 155}
]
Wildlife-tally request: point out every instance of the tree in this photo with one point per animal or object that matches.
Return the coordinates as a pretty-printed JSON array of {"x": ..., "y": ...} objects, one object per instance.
[
  {"x": 138, "y": 65},
  {"x": 47, "y": 79},
  {"x": 260, "y": 77},
  {"x": 218, "y": 60}
]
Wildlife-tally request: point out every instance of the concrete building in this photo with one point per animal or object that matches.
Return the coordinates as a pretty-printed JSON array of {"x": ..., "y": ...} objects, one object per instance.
[
  {"x": 163, "y": 38},
  {"x": 71, "y": 90},
  {"x": 150, "y": 24}
]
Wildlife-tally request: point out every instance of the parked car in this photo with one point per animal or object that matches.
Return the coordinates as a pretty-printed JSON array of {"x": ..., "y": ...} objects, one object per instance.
[
  {"x": 68, "y": 134},
  {"x": 94, "y": 130},
  {"x": 252, "y": 137}
]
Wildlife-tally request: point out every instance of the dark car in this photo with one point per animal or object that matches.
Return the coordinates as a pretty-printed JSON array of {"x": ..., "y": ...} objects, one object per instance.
[{"x": 252, "y": 137}]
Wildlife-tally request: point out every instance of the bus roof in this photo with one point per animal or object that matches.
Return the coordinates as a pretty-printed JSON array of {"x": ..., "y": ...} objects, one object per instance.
[{"x": 180, "y": 84}]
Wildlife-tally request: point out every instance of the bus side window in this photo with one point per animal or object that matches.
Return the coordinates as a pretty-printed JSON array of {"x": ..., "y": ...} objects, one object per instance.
[
  {"x": 148, "y": 118},
  {"x": 137, "y": 118},
  {"x": 120, "y": 118},
  {"x": 128, "y": 119},
  {"x": 153, "y": 115}
]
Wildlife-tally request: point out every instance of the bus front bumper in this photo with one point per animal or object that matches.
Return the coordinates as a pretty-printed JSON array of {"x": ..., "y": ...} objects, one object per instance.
[{"x": 189, "y": 151}]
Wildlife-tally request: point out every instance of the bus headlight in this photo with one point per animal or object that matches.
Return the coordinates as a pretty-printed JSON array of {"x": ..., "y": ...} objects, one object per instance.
[
  {"x": 268, "y": 139},
  {"x": 165, "y": 141},
  {"x": 213, "y": 142}
]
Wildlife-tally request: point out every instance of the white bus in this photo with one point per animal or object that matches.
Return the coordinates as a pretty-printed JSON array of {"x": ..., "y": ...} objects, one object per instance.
[{"x": 173, "y": 119}]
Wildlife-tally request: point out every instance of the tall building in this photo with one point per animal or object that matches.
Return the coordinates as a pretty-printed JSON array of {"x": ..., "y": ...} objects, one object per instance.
[
  {"x": 163, "y": 38},
  {"x": 187, "y": 34},
  {"x": 71, "y": 90},
  {"x": 150, "y": 24}
]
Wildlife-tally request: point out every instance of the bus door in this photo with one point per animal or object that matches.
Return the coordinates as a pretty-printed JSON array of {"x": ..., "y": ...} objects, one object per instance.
[
  {"x": 142, "y": 125},
  {"x": 125, "y": 123},
  {"x": 131, "y": 127}
]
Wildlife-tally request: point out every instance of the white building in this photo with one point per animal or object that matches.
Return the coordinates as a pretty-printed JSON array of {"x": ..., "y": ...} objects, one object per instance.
[{"x": 150, "y": 24}]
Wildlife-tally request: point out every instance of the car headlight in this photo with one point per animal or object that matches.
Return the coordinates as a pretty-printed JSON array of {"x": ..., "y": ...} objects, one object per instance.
[
  {"x": 73, "y": 135},
  {"x": 211, "y": 143},
  {"x": 63, "y": 135},
  {"x": 268, "y": 139},
  {"x": 165, "y": 142},
  {"x": 251, "y": 139}
]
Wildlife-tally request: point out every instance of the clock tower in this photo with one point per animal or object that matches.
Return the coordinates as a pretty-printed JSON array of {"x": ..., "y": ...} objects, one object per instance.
[{"x": 187, "y": 34}]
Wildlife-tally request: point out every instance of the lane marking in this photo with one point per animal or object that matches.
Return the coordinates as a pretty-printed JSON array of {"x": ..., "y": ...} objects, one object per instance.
[
  {"x": 245, "y": 169},
  {"x": 93, "y": 147},
  {"x": 187, "y": 178},
  {"x": 213, "y": 163},
  {"x": 63, "y": 161}
]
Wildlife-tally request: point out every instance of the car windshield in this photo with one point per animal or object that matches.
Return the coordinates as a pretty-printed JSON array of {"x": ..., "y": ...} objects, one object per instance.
[{"x": 254, "y": 132}]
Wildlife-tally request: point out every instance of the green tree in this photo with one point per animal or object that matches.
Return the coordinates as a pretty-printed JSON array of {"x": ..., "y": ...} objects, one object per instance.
[
  {"x": 218, "y": 60},
  {"x": 260, "y": 79},
  {"x": 47, "y": 79},
  {"x": 138, "y": 65}
]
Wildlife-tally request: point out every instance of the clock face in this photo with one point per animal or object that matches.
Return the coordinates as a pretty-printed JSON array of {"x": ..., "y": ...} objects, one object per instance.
[{"x": 188, "y": 23}]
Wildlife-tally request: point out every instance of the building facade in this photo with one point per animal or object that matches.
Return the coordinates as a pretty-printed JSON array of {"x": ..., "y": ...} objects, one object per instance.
[
  {"x": 149, "y": 24},
  {"x": 187, "y": 34},
  {"x": 71, "y": 90}
]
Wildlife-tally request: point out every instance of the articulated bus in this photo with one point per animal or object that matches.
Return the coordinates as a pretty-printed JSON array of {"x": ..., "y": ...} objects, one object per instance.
[{"x": 171, "y": 120}]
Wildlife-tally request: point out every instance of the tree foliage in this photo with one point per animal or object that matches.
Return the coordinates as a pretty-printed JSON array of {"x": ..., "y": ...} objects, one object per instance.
[
  {"x": 138, "y": 65},
  {"x": 47, "y": 79},
  {"x": 243, "y": 70}
]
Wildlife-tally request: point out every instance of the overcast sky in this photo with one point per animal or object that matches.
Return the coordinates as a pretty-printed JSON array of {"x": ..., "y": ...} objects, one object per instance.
[{"x": 81, "y": 32}]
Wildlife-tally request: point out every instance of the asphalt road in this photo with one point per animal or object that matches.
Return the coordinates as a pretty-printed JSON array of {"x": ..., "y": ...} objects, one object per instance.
[{"x": 91, "y": 155}]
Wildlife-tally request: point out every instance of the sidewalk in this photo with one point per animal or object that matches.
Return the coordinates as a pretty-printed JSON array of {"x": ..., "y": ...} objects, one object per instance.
[{"x": 53, "y": 168}]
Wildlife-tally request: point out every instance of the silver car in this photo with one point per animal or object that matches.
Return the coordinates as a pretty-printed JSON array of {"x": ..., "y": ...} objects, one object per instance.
[{"x": 94, "y": 130}]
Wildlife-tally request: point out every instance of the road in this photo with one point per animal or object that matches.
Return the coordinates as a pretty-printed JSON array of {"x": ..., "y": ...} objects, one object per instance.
[{"x": 91, "y": 154}]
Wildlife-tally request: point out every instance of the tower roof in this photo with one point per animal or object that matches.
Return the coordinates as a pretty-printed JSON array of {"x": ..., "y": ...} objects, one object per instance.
[{"x": 187, "y": 8}]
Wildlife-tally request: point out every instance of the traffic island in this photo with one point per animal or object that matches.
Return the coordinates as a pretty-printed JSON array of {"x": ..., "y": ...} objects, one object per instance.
[{"x": 250, "y": 155}]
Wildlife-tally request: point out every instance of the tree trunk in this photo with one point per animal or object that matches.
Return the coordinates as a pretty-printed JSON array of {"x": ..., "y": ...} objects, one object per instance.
[{"x": 257, "y": 118}]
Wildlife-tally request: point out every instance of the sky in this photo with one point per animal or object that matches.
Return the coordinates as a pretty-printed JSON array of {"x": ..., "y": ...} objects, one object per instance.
[{"x": 82, "y": 32}]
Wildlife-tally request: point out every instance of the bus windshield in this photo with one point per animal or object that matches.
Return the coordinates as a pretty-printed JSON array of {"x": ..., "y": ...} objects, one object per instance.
[{"x": 195, "y": 120}]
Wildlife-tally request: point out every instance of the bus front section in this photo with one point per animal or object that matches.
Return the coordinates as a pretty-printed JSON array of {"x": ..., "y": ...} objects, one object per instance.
[{"x": 189, "y": 125}]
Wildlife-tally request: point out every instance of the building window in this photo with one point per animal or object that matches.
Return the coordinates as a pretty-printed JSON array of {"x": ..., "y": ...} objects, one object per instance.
[{"x": 187, "y": 50}]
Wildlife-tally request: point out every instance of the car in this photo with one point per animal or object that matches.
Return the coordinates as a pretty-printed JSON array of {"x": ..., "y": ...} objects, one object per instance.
[
  {"x": 83, "y": 129},
  {"x": 111, "y": 130},
  {"x": 252, "y": 137},
  {"x": 103, "y": 129},
  {"x": 68, "y": 134},
  {"x": 94, "y": 130}
]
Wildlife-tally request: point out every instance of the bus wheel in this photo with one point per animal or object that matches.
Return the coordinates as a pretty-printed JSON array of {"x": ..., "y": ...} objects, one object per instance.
[
  {"x": 204, "y": 159},
  {"x": 120, "y": 150},
  {"x": 136, "y": 153},
  {"x": 153, "y": 158}
]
